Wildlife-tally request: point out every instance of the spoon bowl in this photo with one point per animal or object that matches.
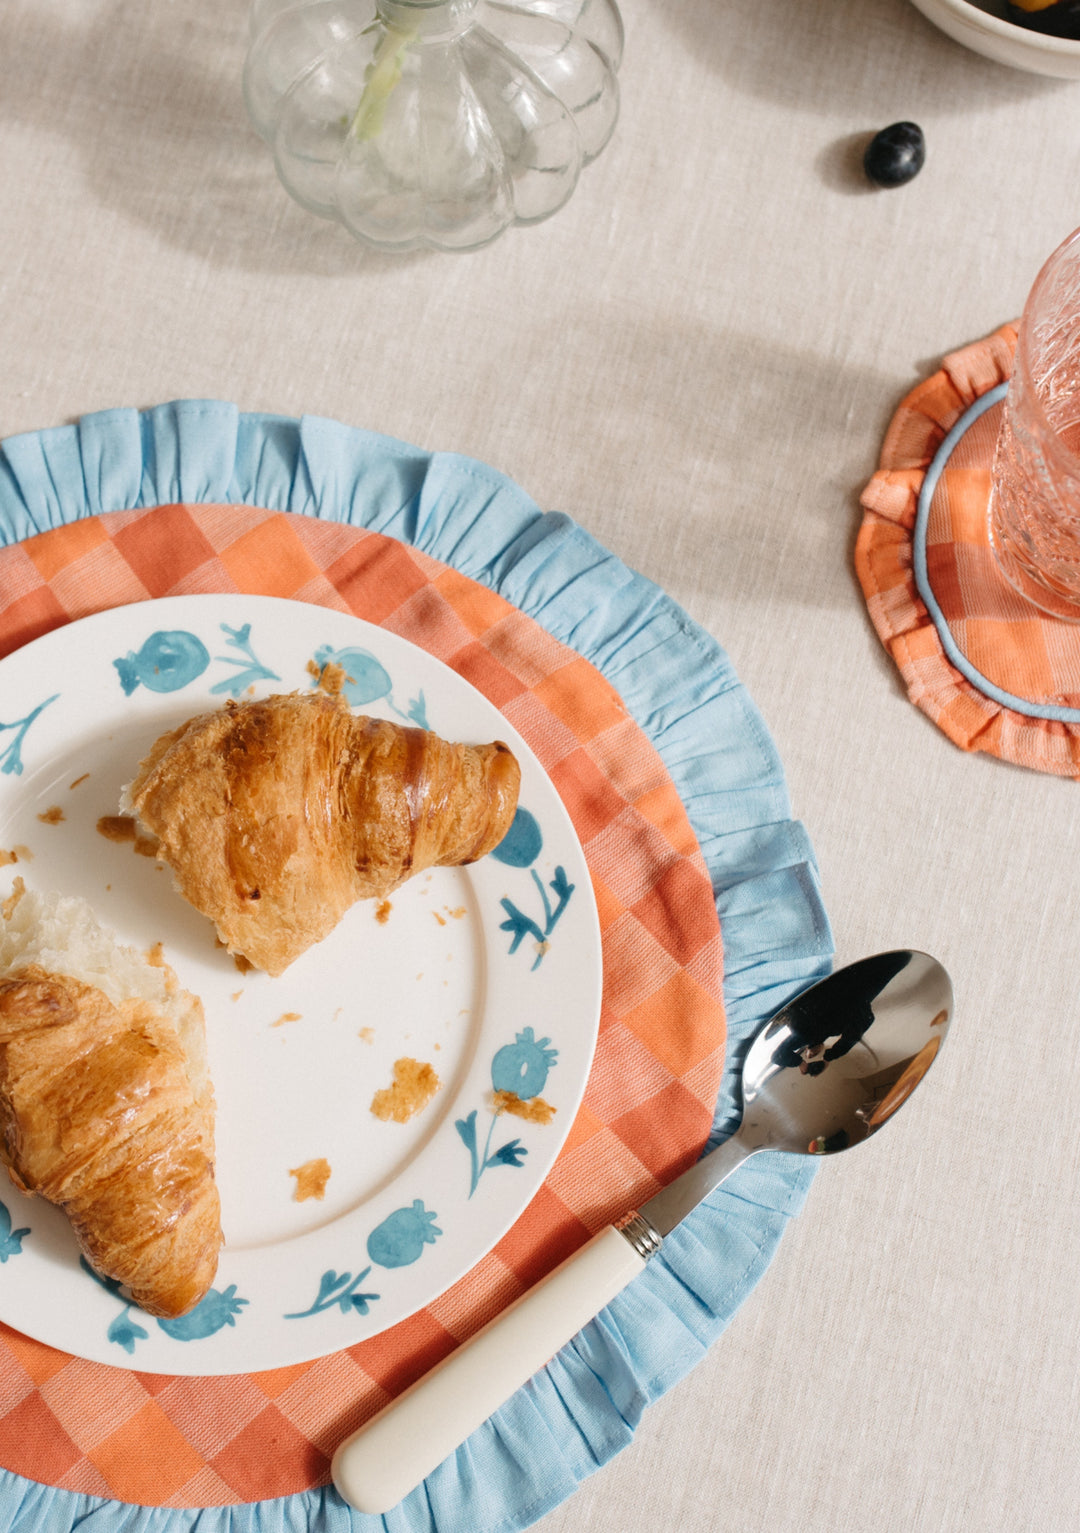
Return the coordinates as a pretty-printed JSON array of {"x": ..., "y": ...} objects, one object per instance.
[{"x": 834, "y": 1065}]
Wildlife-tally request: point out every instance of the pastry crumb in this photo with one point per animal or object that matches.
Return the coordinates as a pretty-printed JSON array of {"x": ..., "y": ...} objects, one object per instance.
[
  {"x": 155, "y": 956},
  {"x": 438, "y": 918},
  {"x": 532, "y": 1109},
  {"x": 236, "y": 995},
  {"x": 366, "y": 1035},
  {"x": 18, "y": 889},
  {"x": 414, "y": 1086},
  {"x": 311, "y": 1179},
  {"x": 382, "y": 912},
  {"x": 287, "y": 1016},
  {"x": 329, "y": 678},
  {"x": 7, "y": 857},
  {"x": 122, "y": 828},
  {"x": 78, "y": 780},
  {"x": 116, "y": 827},
  {"x": 51, "y": 816},
  {"x": 457, "y": 912}
]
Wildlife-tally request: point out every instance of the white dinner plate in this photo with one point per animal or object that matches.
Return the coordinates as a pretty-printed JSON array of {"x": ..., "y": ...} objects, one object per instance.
[{"x": 491, "y": 973}]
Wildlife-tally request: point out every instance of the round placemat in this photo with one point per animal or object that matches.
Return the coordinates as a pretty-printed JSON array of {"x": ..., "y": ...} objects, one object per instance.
[{"x": 675, "y": 788}]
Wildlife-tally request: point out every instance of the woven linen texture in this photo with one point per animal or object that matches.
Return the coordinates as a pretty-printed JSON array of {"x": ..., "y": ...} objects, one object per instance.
[{"x": 647, "y": 1111}]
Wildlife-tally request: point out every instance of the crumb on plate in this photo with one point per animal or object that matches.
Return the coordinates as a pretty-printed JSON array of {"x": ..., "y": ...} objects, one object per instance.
[
  {"x": 51, "y": 816},
  {"x": 415, "y": 1083},
  {"x": 311, "y": 1179},
  {"x": 532, "y": 1109}
]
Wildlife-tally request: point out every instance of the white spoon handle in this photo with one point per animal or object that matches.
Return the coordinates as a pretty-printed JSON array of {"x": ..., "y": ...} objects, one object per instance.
[{"x": 389, "y": 1456}]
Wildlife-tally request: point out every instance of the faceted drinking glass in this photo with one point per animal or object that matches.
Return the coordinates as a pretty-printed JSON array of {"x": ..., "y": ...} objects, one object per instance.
[{"x": 1034, "y": 509}]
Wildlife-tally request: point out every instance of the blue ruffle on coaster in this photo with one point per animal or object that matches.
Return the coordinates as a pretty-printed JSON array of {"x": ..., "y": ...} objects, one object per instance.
[{"x": 680, "y": 687}]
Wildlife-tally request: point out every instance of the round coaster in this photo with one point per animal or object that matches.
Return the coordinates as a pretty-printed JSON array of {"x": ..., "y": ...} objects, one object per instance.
[{"x": 994, "y": 673}]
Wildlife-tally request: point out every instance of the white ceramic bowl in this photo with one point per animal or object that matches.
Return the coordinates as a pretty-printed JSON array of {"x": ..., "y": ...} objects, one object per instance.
[{"x": 981, "y": 27}]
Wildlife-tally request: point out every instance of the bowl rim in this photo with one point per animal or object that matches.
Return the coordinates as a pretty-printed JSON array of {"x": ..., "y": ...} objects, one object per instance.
[{"x": 997, "y": 26}]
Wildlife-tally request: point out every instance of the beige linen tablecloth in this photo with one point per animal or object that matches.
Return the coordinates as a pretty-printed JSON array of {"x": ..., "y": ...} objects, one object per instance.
[{"x": 697, "y": 358}]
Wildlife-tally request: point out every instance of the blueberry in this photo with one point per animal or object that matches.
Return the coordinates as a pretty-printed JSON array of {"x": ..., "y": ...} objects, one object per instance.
[{"x": 895, "y": 155}]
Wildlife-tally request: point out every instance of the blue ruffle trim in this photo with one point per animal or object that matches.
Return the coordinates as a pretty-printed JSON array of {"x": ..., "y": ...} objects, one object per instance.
[{"x": 681, "y": 688}]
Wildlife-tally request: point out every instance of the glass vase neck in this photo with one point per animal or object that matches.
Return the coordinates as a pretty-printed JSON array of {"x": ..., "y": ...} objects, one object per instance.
[{"x": 427, "y": 19}]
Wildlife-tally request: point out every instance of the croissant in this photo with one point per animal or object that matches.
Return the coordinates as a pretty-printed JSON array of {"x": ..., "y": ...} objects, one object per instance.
[
  {"x": 276, "y": 816},
  {"x": 106, "y": 1107}
]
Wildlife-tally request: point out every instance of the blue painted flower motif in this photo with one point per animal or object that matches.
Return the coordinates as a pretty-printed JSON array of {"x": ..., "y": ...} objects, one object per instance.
[
  {"x": 522, "y": 843},
  {"x": 521, "y": 925},
  {"x": 512, "y": 1153},
  {"x": 10, "y": 1240},
  {"x": 11, "y": 757},
  {"x": 340, "y": 1289},
  {"x": 519, "y": 1069},
  {"x": 250, "y": 668},
  {"x": 401, "y": 1237},
  {"x": 166, "y": 662},
  {"x": 124, "y": 1331},
  {"x": 522, "y": 1066},
  {"x": 215, "y": 1310},
  {"x": 368, "y": 681}
]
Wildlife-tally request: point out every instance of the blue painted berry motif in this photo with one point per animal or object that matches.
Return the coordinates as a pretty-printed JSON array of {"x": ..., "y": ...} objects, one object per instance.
[
  {"x": 215, "y": 1310},
  {"x": 250, "y": 668},
  {"x": 522, "y": 843},
  {"x": 11, "y": 756},
  {"x": 339, "y": 1288},
  {"x": 10, "y": 1240},
  {"x": 521, "y": 926},
  {"x": 166, "y": 662},
  {"x": 522, "y": 1066},
  {"x": 401, "y": 1237},
  {"x": 368, "y": 681},
  {"x": 521, "y": 1070}
]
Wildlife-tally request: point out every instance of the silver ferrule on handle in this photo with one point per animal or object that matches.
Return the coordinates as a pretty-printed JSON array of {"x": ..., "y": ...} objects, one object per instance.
[{"x": 641, "y": 1234}]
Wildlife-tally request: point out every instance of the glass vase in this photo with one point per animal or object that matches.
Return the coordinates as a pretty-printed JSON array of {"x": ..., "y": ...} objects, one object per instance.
[{"x": 434, "y": 123}]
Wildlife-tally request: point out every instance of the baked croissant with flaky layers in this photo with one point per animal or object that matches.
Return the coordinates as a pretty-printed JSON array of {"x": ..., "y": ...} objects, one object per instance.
[
  {"x": 106, "y": 1106},
  {"x": 276, "y": 816}
]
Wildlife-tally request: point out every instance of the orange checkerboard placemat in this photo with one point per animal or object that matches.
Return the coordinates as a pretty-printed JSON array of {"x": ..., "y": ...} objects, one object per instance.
[
  {"x": 991, "y": 671},
  {"x": 648, "y": 1108}
]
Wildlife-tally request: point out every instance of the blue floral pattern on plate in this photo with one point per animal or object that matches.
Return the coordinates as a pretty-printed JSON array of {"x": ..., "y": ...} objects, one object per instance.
[
  {"x": 403, "y": 1216},
  {"x": 217, "y": 1308},
  {"x": 11, "y": 756},
  {"x": 10, "y": 1240},
  {"x": 520, "y": 1069}
]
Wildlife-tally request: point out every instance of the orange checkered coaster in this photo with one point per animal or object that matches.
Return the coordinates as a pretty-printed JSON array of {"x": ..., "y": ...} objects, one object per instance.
[
  {"x": 648, "y": 1107},
  {"x": 991, "y": 671}
]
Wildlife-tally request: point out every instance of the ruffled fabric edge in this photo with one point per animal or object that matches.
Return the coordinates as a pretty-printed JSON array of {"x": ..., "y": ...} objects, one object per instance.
[
  {"x": 890, "y": 562},
  {"x": 682, "y": 690}
]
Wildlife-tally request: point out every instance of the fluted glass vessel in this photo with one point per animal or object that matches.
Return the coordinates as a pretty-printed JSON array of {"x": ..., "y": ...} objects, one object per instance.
[{"x": 433, "y": 123}]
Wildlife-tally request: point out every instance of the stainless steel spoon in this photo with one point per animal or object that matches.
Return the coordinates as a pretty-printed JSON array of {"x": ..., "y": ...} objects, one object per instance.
[{"x": 823, "y": 1074}]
